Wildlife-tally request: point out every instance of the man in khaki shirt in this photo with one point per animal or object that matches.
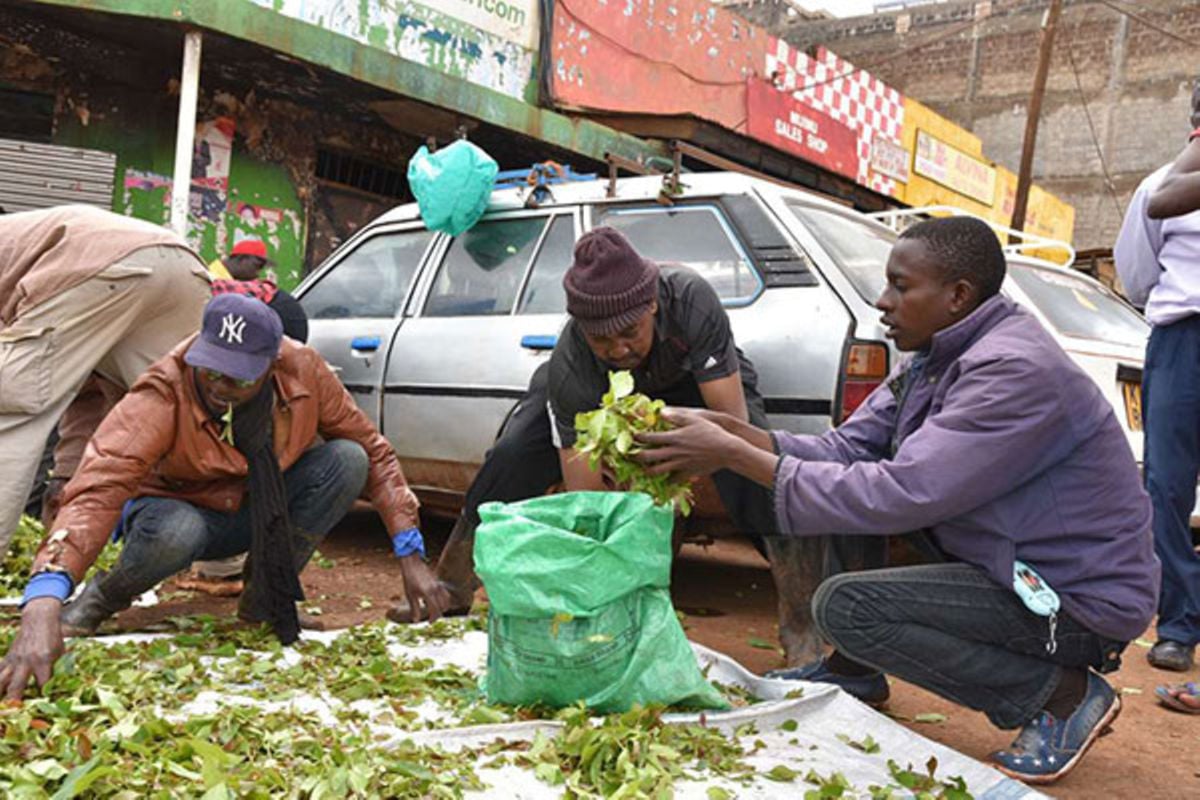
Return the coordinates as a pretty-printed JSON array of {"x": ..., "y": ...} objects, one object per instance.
[{"x": 82, "y": 291}]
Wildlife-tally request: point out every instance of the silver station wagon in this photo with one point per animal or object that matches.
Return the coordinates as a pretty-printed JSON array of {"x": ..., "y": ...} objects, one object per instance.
[{"x": 436, "y": 337}]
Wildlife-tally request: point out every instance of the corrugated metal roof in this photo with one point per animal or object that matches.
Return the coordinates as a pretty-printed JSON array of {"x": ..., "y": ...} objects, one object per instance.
[{"x": 43, "y": 175}]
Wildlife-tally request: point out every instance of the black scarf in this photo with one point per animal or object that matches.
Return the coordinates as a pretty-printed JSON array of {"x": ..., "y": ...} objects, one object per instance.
[{"x": 274, "y": 587}]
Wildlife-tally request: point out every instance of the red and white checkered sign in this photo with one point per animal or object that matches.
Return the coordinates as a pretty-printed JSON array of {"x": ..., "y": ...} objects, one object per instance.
[{"x": 852, "y": 96}]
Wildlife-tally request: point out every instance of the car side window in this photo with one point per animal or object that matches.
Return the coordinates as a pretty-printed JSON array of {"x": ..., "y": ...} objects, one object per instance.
[
  {"x": 544, "y": 291},
  {"x": 482, "y": 271},
  {"x": 697, "y": 236},
  {"x": 372, "y": 281}
]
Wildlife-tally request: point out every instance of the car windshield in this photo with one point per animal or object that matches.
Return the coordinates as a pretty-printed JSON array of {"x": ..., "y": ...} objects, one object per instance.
[
  {"x": 860, "y": 249},
  {"x": 1077, "y": 307}
]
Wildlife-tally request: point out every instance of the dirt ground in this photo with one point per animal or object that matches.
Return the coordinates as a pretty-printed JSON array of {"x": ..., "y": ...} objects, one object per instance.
[{"x": 726, "y": 592}]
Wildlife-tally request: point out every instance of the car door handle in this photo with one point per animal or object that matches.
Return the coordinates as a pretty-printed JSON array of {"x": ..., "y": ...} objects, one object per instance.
[
  {"x": 366, "y": 344},
  {"x": 539, "y": 342}
]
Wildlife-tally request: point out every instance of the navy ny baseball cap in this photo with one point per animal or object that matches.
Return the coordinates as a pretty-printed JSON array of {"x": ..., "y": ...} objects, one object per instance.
[{"x": 239, "y": 337}]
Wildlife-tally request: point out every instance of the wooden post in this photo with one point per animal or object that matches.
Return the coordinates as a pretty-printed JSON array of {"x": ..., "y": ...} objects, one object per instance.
[
  {"x": 1049, "y": 22},
  {"x": 185, "y": 132}
]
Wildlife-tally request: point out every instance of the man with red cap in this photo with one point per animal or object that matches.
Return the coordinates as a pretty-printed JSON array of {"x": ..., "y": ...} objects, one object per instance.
[
  {"x": 240, "y": 272},
  {"x": 238, "y": 440},
  {"x": 668, "y": 328}
]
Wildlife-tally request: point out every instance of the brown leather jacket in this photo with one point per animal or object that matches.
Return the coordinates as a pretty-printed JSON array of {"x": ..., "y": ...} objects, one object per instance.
[{"x": 160, "y": 442}]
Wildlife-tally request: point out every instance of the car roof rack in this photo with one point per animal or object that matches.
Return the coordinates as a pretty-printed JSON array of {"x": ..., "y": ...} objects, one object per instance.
[
  {"x": 900, "y": 218},
  {"x": 538, "y": 178},
  {"x": 544, "y": 173},
  {"x": 671, "y": 169}
]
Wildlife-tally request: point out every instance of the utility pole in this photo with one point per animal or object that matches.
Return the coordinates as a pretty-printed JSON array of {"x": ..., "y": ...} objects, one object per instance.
[{"x": 1049, "y": 22}]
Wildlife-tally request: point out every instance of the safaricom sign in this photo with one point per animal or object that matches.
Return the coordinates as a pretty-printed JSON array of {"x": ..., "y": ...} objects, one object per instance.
[{"x": 514, "y": 20}]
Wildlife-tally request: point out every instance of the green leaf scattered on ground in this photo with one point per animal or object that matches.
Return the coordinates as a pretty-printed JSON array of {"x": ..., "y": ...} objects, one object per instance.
[
  {"x": 867, "y": 744},
  {"x": 930, "y": 718},
  {"x": 834, "y": 785},
  {"x": 16, "y": 563},
  {"x": 761, "y": 644},
  {"x": 781, "y": 774},
  {"x": 927, "y": 786}
]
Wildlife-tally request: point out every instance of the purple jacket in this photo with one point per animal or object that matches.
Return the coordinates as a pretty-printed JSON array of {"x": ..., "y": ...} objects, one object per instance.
[{"x": 1005, "y": 450}]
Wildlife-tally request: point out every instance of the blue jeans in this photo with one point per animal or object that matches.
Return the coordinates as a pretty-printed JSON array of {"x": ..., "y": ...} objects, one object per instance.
[
  {"x": 164, "y": 536},
  {"x": 951, "y": 629},
  {"x": 1171, "y": 400}
]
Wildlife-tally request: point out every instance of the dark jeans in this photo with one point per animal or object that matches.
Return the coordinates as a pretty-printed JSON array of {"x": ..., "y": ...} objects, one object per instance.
[
  {"x": 524, "y": 463},
  {"x": 1171, "y": 400},
  {"x": 951, "y": 629},
  {"x": 164, "y": 536}
]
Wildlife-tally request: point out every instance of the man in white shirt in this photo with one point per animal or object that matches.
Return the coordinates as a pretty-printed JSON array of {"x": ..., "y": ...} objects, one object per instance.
[{"x": 1158, "y": 260}]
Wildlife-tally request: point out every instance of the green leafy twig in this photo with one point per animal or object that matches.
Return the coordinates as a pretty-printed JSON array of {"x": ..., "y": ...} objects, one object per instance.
[
  {"x": 608, "y": 437},
  {"x": 634, "y": 754}
]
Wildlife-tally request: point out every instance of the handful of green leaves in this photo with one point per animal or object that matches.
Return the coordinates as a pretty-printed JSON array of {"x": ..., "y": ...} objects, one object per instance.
[{"x": 607, "y": 437}]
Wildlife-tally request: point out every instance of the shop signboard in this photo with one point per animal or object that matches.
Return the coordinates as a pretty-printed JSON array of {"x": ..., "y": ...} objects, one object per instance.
[
  {"x": 780, "y": 120},
  {"x": 954, "y": 169},
  {"x": 889, "y": 158}
]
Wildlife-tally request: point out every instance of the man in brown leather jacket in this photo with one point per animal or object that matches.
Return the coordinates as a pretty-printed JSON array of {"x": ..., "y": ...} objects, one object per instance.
[{"x": 213, "y": 452}]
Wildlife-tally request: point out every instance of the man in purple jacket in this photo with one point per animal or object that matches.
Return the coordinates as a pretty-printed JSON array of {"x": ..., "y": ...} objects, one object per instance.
[{"x": 992, "y": 442}]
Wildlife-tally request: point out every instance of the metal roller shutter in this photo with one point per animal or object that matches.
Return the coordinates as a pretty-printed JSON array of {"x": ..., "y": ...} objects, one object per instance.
[{"x": 43, "y": 175}]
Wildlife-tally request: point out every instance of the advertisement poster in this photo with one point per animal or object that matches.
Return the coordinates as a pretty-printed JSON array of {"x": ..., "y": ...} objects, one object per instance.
[
  {"x": 889, "y": 158},
  {"x": 210, "y": 169}
]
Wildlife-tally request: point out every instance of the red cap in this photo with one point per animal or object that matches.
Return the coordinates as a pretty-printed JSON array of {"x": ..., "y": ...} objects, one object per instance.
[{"x": 250, "y": 247}]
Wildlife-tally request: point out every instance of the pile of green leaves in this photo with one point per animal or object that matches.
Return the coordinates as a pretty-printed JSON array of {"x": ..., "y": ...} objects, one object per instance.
[
  {"x": 607, "y": 436},
  {"x": 113, "y": 721},
  {"x": 634, "y": 754},
  {"x": 15, "y": 564},
  {"x": 118, "y": 720}
]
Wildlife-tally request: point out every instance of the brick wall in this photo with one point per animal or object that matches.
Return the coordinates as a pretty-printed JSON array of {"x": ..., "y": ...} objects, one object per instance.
[{"x": 975, "y": 63}]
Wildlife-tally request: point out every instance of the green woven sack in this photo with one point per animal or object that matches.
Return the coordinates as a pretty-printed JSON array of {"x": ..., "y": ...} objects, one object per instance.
[{"x": 580, "y": 608}]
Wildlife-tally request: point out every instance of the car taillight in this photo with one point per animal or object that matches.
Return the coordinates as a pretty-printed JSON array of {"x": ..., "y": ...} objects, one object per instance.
[{"x": 866, "y": 367}]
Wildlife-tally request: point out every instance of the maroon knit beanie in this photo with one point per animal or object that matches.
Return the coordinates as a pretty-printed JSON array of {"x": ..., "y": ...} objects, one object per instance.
[{"x": 609, "y": 286}]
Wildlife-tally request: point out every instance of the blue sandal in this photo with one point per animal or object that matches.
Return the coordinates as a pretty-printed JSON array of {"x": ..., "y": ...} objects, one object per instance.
[{"x": 1172, "y": 696}]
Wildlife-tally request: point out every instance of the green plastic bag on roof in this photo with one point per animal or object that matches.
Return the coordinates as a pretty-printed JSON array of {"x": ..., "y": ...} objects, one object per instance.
[
  {"x": 452, "y": 185},
  {"x": 580, "y": 609}
]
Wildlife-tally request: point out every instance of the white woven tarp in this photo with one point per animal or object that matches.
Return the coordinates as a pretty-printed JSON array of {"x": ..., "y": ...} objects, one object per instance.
[{"x": 822, "y": 713}]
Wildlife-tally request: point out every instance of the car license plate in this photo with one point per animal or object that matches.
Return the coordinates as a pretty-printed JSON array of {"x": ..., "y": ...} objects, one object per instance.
[{"x": 1133, "y": 404}]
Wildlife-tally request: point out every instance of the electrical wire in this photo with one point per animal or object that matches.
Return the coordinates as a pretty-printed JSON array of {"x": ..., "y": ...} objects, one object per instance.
[
  {"x": 906, "y": 51},
  {"x": 1143, "y": 21},
  {"x": 1108, "y": 181}
]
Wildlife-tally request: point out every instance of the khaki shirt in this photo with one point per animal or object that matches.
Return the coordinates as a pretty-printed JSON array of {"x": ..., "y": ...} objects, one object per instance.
[{"x": 44, "y": 253}]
